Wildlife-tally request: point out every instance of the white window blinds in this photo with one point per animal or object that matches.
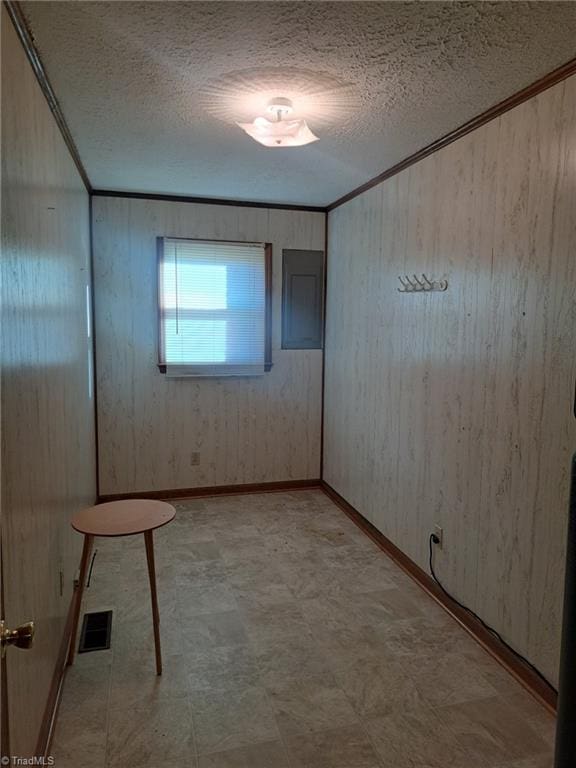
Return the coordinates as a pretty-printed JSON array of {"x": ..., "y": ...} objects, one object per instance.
[{"x": 213, "y": 307}]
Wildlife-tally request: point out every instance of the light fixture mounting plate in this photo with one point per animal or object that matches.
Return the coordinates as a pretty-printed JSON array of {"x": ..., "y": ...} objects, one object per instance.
[{"x": 280, "y": 106}]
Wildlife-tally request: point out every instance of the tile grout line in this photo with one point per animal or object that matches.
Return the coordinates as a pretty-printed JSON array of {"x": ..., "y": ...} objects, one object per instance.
[
  {"x": 280, "y": 736},
  {"x": 337, "y": 686},
  {"x": 192, "y": 724},
  {"x": 108, "y": 697}
]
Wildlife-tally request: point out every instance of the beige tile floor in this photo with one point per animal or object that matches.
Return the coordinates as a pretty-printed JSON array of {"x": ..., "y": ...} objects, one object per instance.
[{"x": 290, "y": 641}]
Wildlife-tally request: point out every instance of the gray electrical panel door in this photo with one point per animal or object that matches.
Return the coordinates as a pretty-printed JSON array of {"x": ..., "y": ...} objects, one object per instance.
[{"x": 302, "y": 299}]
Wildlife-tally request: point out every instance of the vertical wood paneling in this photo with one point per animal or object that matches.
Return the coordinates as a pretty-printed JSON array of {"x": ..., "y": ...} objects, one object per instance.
[
  {"x": 257, "y": 429},
  {"x": 456, "y": 408},
  {"x": 48, "y": 456}
]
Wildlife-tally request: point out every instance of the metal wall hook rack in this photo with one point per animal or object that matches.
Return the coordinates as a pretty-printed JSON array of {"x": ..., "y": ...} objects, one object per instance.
[{"x": 416, "y": 285}]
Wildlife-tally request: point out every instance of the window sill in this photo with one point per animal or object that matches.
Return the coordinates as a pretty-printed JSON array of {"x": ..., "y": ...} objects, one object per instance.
[{"x": 267, "y": 369}]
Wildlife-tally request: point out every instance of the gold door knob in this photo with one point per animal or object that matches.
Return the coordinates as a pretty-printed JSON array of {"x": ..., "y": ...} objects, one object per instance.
[{"x": 21, "y": 637}]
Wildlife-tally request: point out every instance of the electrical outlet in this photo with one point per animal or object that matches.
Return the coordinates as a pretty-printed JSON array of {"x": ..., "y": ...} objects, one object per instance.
[
  {"x": 195, "y": 459},
  {"x": 439, "y": 533}
]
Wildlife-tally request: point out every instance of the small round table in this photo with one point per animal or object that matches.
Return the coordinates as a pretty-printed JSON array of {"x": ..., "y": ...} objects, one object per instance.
[{"x": 121, "y": 518}]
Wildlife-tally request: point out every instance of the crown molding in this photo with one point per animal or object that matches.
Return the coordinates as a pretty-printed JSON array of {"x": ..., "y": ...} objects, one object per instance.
[
  {"x": 207, "y": 200},
  {"x": 27, "y": 39},
  {"x": 552, "y": 78}
]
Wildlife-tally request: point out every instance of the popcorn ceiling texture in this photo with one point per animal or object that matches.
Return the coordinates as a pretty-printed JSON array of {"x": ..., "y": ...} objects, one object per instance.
[{"x": 151, "y": 90}]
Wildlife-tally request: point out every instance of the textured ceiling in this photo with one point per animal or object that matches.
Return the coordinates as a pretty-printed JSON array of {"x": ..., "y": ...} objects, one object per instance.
[{"x": 151, "y": 90}]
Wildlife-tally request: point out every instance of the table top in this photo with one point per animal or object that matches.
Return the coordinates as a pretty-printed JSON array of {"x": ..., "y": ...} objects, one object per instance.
[{"x": 123, "y": 518}]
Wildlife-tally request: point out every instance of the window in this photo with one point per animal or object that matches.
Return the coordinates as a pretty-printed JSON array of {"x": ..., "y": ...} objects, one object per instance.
[{"x": 214, "y": 307}]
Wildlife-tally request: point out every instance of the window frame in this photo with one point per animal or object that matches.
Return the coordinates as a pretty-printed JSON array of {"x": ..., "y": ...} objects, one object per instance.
[{"x": 267, "y": 298}]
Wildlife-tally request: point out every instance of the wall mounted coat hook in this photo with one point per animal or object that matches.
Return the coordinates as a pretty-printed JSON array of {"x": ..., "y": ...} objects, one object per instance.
[{"x": 416, "y": 285}]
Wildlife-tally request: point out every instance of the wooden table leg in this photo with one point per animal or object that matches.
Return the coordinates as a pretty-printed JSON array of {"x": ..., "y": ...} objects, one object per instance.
[
  {"x": 86, "y": 550},
  {"x": 153, "y": 594}
]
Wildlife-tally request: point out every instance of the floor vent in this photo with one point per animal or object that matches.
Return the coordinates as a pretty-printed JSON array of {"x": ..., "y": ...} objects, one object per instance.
[{"x": 96, "y": 632}]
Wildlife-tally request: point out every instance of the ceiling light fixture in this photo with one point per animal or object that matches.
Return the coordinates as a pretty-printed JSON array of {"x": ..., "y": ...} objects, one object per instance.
[{"x": 279, "y": 132}]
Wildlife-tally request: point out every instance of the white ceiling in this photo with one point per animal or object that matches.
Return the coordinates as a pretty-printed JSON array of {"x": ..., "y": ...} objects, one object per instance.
[{"x": 151, "y": 90}]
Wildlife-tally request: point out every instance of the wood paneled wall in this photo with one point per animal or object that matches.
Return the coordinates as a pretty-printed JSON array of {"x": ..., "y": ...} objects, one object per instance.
[
  {"x": 48, "y": 456},
  {"x": 455, "y": 408},
  {"x": 246, "y": 430}
]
